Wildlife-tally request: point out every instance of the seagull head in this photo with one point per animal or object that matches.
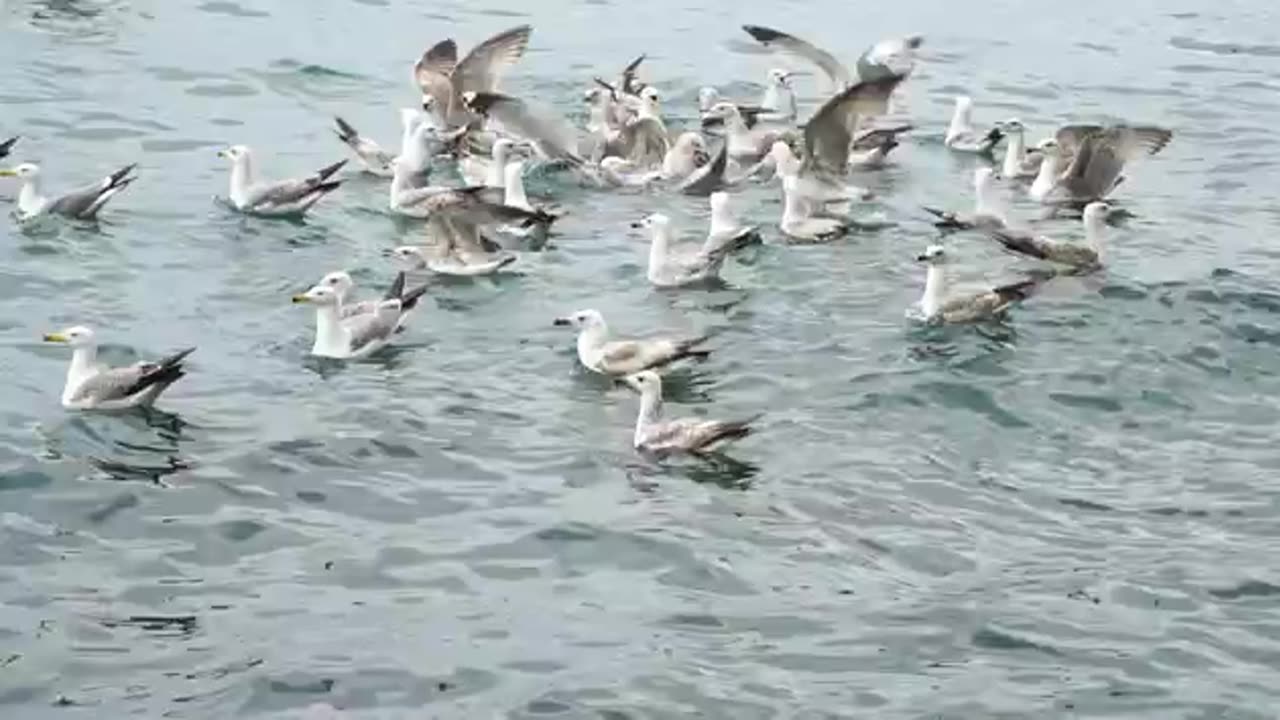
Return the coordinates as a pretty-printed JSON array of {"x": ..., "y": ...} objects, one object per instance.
[
  {"x": 780, "y": 77},
  {"x": 25, "y": 170},
  {"x": 1012, "y": 125},
  {"x": 653, "y": 221},
  {"x": 235, "y": 153},
  {"x": 650, "y": 95},
  {"x": 78, "y": 336},
  {"x": 581, "y": 319},
  {"x": 1095, "y": 213},
  {"x": 932, "y": 255},
  {"x": 321, "y": 295},
  {"x": 647, "y": 382},
  {"x": 412, "y": 257},
  {"x": 339, "y": 280}
]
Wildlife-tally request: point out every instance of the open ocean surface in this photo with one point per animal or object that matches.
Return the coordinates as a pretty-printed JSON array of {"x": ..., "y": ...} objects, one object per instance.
[{"x": 1070, "y": 515}]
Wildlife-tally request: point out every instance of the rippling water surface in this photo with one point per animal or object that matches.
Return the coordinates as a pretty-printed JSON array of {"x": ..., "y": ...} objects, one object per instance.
[{"x": 1070, "y": 515}]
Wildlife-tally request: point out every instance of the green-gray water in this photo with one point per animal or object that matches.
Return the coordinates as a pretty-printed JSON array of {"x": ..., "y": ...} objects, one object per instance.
[{"x": 1071, "y": 515}]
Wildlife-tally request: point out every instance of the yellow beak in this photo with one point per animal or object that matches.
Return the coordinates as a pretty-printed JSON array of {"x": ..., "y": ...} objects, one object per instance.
[
  {"x": 6, "y": 172},
  {"x": 55, "y": 337},
  {"x": 301, "y": 299}
]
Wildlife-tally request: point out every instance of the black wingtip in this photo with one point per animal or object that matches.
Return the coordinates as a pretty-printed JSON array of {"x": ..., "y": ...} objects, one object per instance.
[
  {"x": 328, "y": 187},
  {"x": 396, "y": 290},
  {"x": 346, "y": 133},
  {"x": 409, "y": 300},
  {"x": 762, "y": 34},
  {"x": 324, "y": 172}
]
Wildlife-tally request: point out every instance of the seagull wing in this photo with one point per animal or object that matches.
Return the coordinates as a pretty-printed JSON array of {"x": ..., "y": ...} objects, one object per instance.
[{"x": 770, "y": 38}]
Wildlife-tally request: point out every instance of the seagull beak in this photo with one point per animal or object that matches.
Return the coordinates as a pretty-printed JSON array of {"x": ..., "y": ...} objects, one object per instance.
[
  {"x": 637, "y": 225},
  {"x": 561, "y": 322},
  {"x": 302, "y": 298},
  {"x": 711, "y": 121},
  {"x": 6, "y": 172},
  {"x": 55, "y": 337}
]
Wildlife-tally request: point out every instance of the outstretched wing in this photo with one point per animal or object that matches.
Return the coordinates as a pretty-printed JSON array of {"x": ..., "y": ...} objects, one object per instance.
[
  {"x": 482, "y": 69},
  {"x": 770, "y": 38},
  {"x": 552, "y": 134},
  {"x": 829, "y": 135}
]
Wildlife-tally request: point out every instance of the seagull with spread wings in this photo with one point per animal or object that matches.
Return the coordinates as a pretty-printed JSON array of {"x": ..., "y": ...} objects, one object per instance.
[{"x": 445, "y": 79}]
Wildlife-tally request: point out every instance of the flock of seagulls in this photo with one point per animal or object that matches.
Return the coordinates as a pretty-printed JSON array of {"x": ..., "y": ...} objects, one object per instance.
[{"x": 463, "y": 156}]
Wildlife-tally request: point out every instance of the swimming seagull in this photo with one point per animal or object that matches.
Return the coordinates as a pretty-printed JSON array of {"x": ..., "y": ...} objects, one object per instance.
[
  {"x": 82, "y": 204},
  {"x": 799, "y": 223},
  {"x": 275, "y": 199},
  {"x": 623, "y": 357},
  {"x": 92, "y": 386},
  {"x": 551, "y": 136},
  {"x": 7, "y": 146},
  {"x": 962, "y": 136},
  {"x": 691, "y": 435},
  {"x": 1094, "y": 158},
  {"x": 644, "y": 139},
  {"x": 1019, "y": 162},
  {"x": 988, "y": 211},
  {"x": 1086, "y": 256},
  {"x": 342, "y": 283},
  {"x": 445, "y": 79},
  {"x": 354, "y": 336},
  {"x": 687, "y": 154},
  {"x": 672, "y": 268},
  {"x": 935, "y": 306}
]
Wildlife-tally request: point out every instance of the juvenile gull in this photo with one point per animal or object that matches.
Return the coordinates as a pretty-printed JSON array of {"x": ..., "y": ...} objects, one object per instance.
[
  {"x": 643, "y": 139},
  {"x": 1094, "y": 158},
  {"x": 93, "y": 386},
  {"x": 691, "y": 435},
  {"x": 445, "y": 79},
  {"x": 355, "y": 336},
  {"x": 275, "y": 199},
  {"x": 988, "y": 210},
  {"x": 1086, "y": 256},
  {"x": 82, "y": 204},
  {"x": 936, "y": 306},
  {"x": 962, "y": 136},
  {"x": 623, "y": 357},
  {"x": 670, "y": 267}
]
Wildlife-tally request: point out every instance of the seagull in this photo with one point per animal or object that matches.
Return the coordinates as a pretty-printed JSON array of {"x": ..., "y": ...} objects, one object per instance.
[
  {"x": 837, "y": 74},
  {"x": 342, "y": 283},
  {"x": 962, "y": 136},
  {"x": 935, "y": 306},
  {"x": 92, "y": 386},
  {"x": 455, "y": 217},
  {"x": 692, "y": 435},
  {"x": 601, "y": 355},
  {"x": 643, "y": 139},
  {"x": 415, "y": 129},
  {"x": 669, "y": 268},
  {"x": 443, "y": 260},
  {"x": 7, "y": 146},
  {"x": 725, "y": 226},
  {"x": 988, "y": 210},
  {"x": 354, "y": 336},
  {"x": 277, "y": 199},
  {"x": 1087, "y": 256},
  {"x": 1085, "y": 162},
  {"x": 82, "y": 204},
  {"x": 445, "y": 79},
  {"x": 1019, "y": 162}
]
